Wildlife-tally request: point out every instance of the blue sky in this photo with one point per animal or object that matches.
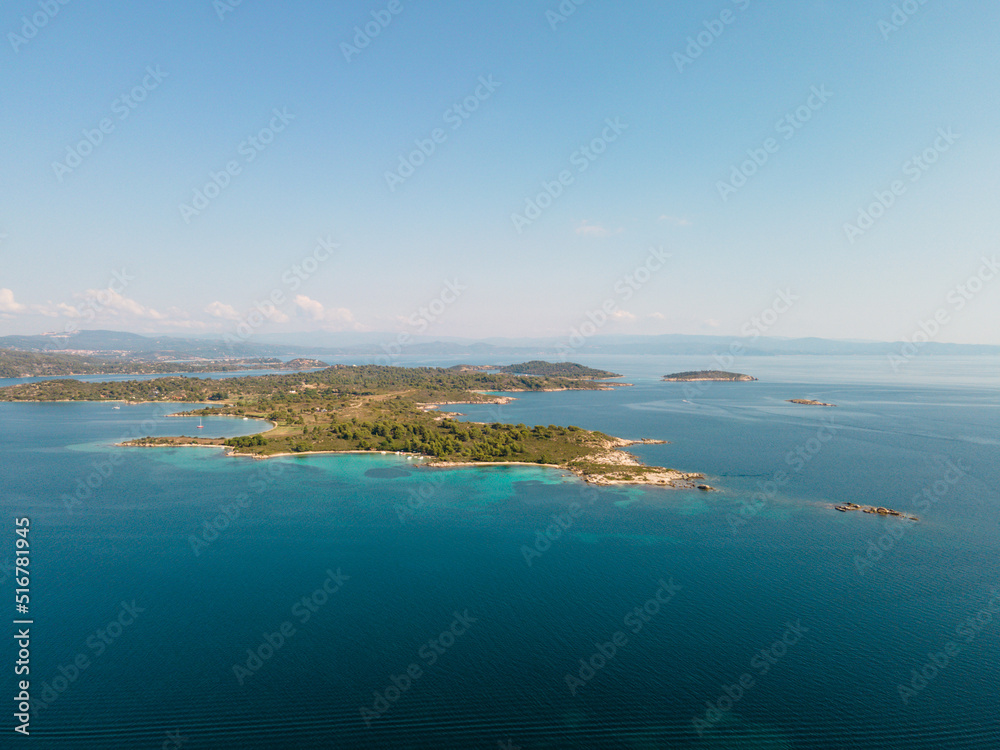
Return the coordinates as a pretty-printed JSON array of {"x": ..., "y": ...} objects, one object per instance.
[{"x": 865, "y": 93}]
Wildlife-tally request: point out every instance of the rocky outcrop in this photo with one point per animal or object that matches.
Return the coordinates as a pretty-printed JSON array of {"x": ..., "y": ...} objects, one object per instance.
[{"x": 874, "y": 510}]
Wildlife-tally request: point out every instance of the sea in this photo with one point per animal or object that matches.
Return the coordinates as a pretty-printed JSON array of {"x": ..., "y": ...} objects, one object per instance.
[{"x": 179, "y": 597}]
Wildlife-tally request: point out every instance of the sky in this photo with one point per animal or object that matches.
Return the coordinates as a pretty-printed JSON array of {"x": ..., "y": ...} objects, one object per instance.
[{"x": 471, "y": 169}]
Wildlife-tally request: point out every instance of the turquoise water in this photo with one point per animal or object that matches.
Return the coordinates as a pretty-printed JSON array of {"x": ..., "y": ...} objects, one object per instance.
[{"x": 429, "y": 567}]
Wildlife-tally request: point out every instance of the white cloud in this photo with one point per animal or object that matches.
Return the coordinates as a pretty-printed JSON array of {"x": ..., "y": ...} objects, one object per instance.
[
  {"x": 333, "y": 317},
  {"x": 658, "y": 316},
  {"x": 110, "y": 302},
  {"x": 675, "y": 220},
  {"x": 8, "y": 304},
  {"x": 622, "y": 315},
  {"x": 591, "y": 230},
  {"x": 222, "y": 310},
  {"x": 312, "y": 308}
]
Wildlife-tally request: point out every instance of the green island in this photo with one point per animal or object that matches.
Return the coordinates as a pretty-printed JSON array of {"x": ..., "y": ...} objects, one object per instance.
[
  {"x": 718, "y": 375},
  {"x": 548, "y": 369},
  {"x": 557, "y": 369},
  {"x": 349, "y": 408},
  {"x": 19, "y": 364}
]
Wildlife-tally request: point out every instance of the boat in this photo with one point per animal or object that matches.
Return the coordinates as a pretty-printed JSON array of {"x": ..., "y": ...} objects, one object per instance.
[{"x": 200, "y": 425}]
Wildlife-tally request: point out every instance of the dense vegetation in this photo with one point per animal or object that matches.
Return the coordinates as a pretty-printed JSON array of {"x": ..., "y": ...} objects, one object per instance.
[
  {"x": 708, "y": 375},
  {"x": 353, "y": 408},
  {"x": 557, "y": 369}
]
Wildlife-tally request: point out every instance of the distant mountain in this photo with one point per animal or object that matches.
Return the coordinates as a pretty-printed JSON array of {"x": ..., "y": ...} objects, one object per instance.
[
  {"x": 18, "y": 364},
  {"x": 161, "y": 348},
  {"x": 153, "y": 348}
]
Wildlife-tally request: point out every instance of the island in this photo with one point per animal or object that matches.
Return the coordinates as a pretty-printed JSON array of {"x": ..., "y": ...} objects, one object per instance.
[
  {"x": 715, "y": 375},
  {"x": 557, "y": 369},
  {"x": 370, "y": 408},
  {"x": 538, "y": 367},
  {"x": 808, "y": 402}
]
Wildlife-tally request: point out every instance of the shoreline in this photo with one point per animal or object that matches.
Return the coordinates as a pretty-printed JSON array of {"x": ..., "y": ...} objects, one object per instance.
[{"x": 614, "y": 460}]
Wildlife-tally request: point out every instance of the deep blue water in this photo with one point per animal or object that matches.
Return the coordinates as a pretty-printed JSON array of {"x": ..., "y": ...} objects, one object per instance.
[{"x": 411, "y": 548}]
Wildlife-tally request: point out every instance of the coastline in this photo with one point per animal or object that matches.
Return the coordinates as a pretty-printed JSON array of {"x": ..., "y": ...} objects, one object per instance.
[
  {"x": 606, "y": 467},
  {"x": 593, "y": 457}
]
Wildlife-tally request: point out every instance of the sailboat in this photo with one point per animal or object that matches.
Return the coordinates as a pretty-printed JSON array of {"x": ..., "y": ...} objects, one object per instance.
[{"x": 200, "y": 425}]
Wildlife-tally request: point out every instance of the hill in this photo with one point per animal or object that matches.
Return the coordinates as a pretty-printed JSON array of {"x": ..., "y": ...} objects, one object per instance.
[
  {"x": 719, "y": 375},
  {"x": 556, "y": 370}
]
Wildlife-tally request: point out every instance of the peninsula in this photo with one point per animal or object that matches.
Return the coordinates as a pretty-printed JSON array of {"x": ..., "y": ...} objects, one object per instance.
[
  {"x": 347, "y": 408},
  {"x": 717, "y": 375}
]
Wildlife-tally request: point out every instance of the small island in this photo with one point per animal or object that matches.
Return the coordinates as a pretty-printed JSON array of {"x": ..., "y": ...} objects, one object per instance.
[
  {"x": 557, "y": 369},
  {"x": 808, "y": 402},
  {"x": 369, "y": 408},
  {"x": 714, "y": 375}
]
